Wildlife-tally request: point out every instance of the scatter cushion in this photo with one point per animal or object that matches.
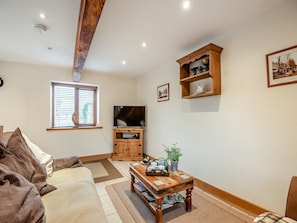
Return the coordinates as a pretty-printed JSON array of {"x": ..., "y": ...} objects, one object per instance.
[
  {"x": 3, "y": 142},
  {"x": 1, "y": 152},
  {"x": 20, "y": 200},
  {"x": 19, "y": 158},
  {"x": 44, "y": 159},
  {"x": 269, "y": 217},
  {"x": 4, "y": 138}
]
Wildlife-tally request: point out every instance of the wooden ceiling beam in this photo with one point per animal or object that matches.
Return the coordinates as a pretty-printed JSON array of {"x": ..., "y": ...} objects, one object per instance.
[{"x": 90, "y": 11}]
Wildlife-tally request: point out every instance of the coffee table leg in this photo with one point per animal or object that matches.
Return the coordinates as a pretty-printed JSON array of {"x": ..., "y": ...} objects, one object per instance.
[
  {"x": 132, "y": 183},
  {"x": 189, "y": 199},
  {"x": 159, "y": 210}
]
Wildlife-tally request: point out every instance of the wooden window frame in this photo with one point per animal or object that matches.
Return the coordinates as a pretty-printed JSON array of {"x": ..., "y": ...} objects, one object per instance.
[{"x": 77, "y": 87}]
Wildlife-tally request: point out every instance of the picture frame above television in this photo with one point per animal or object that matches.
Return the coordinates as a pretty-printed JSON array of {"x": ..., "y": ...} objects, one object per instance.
[{"x": 128, "y": 116}]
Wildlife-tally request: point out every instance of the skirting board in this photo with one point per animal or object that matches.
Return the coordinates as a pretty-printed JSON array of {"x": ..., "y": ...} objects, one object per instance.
[
  {"x": 231, "y": 199},
  {"x": 93, "y": 158}
]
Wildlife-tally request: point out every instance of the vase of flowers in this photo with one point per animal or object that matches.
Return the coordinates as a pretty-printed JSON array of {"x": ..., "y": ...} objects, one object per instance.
[{"x": 173, "y": 154}]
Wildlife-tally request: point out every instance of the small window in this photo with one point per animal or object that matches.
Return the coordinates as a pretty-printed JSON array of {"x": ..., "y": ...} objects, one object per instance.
[{"x": 74, "y": 105}]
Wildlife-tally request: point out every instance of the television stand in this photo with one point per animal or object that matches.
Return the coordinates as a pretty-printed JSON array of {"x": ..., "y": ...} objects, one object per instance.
[{"x": 127, "y": 144}]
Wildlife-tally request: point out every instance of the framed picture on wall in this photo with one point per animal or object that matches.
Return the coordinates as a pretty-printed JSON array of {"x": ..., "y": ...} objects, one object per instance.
[
  {"x": 282, "y": 67},
  {"x": 163, "y": 92}
]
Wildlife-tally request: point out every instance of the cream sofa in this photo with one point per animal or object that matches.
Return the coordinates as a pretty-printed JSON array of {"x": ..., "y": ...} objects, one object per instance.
[
  {"x": 75, "y": 199},
  {"x": 36, "y": 188}
]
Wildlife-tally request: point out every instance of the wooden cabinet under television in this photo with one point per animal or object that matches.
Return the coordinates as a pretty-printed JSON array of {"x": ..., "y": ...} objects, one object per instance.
[
  {"x": 128, "y": 144},
  {"x": 200, "y": 72}
]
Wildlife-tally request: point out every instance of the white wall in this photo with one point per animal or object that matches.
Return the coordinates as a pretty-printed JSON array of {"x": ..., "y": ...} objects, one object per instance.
[
  {"x": 243, "y": 141},
  {"x": 25, "y": 103}
]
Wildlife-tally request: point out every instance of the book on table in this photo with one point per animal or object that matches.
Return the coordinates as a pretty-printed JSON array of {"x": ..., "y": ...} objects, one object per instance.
[{"x": 168, "y": 201}]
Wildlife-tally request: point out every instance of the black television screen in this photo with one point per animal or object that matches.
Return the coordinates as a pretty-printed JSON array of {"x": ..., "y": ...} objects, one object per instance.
[{"x": 129, "y": 116}]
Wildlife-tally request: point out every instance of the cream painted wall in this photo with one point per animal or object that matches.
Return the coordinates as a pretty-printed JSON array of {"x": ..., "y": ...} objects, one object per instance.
[
  {"x": 243, "y": 141},
  {"x": 25, "y": 103}
]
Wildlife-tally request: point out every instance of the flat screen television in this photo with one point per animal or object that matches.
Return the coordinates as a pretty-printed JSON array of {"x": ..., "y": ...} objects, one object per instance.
[{"x": 128, "y": 116}]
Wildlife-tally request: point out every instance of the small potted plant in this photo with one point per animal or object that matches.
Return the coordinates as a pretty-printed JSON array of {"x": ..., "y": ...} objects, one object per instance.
[{"x": 173, "y": 154}]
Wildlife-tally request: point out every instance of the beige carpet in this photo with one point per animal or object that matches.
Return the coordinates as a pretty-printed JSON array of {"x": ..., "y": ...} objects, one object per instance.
[
  {"x": 97, "y": 169},
  {"x": 131, "y": 209},
  {"x": 103, "y": 170}
]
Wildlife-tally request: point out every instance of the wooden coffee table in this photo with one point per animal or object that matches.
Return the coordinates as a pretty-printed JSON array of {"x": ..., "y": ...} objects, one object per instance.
[{"x": 160, "y": 187}]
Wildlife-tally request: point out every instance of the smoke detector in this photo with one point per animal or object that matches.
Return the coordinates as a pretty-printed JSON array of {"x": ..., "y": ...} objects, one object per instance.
[{"x": 40, "y": 28}]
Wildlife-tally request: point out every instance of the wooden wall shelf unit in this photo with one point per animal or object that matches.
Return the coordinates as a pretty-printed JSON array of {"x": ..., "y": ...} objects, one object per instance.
[
  {"x": 128, "y": 144},
  {"x": 201, "y": 68}
]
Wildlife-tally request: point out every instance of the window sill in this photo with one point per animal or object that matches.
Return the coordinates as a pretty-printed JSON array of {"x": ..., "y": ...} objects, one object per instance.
[{"x": 74, "y": 128}]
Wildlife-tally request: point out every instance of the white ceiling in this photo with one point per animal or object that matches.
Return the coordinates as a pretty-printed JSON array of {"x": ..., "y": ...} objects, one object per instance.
[{"x": 168, "y": 29}]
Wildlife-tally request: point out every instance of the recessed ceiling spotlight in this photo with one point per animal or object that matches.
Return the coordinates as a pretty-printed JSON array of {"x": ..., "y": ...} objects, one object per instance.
[
  {"x": 42, "y": 15},
  {"x": 186, "y": 4},
  {"x": 123, "y": 62},
  {"x": 144, "y": 44}
]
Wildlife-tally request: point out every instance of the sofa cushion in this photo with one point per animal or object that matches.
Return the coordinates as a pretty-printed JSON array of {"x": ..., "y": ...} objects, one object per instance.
[
  {"x": 19, "y": 158},
  {"x": 20, "y": 200},
  {"x": 76, "y": 197},
  {"x": 44, "y": 159}
]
